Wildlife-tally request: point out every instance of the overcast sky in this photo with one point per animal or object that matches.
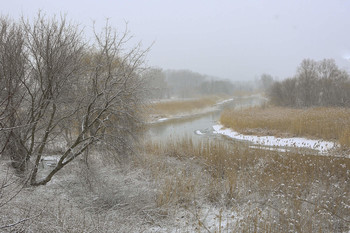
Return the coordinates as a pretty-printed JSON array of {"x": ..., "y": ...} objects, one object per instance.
[{"x": 224, "y": 38}]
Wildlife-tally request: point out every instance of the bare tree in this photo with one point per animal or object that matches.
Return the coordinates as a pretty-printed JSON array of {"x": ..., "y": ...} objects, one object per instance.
[
  {"x": 307, "y": 83},
  {"x": 276, "y": 93},
  {"x": 12, "y": 72},
  {"x": 332, "y": 83},
  {"x": 156, "y": 83},
  {"x": 184, "y": 83},
  {"x": 91, "y": 92},
  {"x": 284, "y": 93},
  {"x": 315, "y": 84},
  {"x": 266, "y": 81}
]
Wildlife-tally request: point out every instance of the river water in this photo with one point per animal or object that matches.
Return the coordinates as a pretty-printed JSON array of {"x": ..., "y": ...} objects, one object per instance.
[{"x": 197, "y": 127}]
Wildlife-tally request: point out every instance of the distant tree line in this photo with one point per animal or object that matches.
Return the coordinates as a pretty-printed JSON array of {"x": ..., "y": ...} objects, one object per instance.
[
  {"x": 316, "y": 83},
  {"x": 184, "y": 84}
]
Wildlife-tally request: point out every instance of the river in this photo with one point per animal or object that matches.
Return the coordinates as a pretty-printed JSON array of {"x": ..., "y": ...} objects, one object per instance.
[{"x": 199, "y": 126}]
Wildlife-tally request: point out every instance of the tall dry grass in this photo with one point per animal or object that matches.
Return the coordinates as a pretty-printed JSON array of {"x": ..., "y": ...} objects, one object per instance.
[
  {"x": 272, "y": 192},
  {"x": 182, "y": 106},
  {"x": 324, "y": 123}
]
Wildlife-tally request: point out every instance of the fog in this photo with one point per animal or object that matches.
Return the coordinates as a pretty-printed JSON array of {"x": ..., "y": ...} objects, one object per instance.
[{"x": 237, "y": 40}]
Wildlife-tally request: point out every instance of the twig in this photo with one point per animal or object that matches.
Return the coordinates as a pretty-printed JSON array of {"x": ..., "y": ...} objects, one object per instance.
[{"x": 20, "y": 221}]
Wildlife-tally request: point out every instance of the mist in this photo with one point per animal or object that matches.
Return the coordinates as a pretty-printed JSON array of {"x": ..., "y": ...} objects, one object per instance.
[
  {"x": 174, "y": 116},
  {"x": 237, "y": 40}
]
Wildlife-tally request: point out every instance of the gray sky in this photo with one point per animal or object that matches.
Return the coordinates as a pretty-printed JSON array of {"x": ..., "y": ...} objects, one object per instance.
[{"x": 228, "y": 39}]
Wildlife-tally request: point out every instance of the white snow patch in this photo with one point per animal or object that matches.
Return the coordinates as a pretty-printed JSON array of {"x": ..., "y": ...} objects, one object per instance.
[
  {"x": 51, "y": 157},
  {"x": 198, "y": 132},
  {"x": 162, "y": 119},
  {"x": 224, "y": 101},
  {"x": 269, "y": 148},
  {"x": 214, "y": 219},
  {"x": 320, "y": 145}
]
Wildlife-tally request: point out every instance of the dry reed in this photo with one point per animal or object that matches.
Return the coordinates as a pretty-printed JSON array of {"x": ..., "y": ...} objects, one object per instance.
[
  {"x": 183, "y": 106},
  {"x": 324, "y": 123},
  {"x": 275, "y": 192}
]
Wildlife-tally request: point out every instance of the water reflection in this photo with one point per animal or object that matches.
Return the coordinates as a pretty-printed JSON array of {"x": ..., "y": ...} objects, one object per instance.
[{"x": 184, "y": 127}]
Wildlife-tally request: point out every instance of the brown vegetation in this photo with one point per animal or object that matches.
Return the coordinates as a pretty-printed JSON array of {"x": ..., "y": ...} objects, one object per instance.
[
  {"x": 169, "y": 108},
  {"x": 325, "y": 123},
  {"x": 272, "y": 192}
]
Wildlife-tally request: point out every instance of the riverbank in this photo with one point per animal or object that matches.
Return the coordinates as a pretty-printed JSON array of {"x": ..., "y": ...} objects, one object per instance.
[
  {"x": 174, "y": 109},
  {"x": 280, "y": 143},
  {"x": 328, "y": 124}
]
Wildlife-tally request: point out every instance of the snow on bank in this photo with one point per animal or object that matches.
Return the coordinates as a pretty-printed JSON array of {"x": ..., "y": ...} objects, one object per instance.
[
  {"x": 198, "y": 132},
  {"x": 320, "y": 145},
  {"x": 224, "y": 101},
  {"x": 161, "y": 118},
  {"x": 270, "y": 148}
]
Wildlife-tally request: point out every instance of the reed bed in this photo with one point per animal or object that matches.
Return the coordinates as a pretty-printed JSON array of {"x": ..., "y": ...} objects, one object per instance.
[
  {"x": 324, "y": 123},
  {"x": 272, "y": 192},
  {"x": 183, "y": 106}
]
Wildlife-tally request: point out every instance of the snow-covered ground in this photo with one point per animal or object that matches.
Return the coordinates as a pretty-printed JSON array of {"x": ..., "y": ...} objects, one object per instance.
[{"x": 322, "y": 146}]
